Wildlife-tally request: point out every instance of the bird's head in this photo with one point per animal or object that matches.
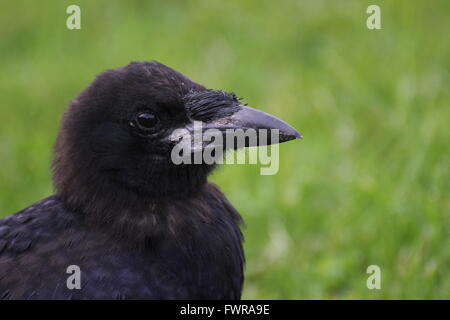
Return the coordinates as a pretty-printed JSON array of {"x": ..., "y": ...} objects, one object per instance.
[{"x": 117, "y": 136}]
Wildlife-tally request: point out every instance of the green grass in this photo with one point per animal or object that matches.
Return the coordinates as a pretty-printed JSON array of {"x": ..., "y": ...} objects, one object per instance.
[{"x": 369, "y": 184}]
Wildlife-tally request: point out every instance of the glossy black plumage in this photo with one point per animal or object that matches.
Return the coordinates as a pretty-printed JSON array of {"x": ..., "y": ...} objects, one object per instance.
[
  {"x": 40, "y": 242},
  {"x": 137, "y": 225}
]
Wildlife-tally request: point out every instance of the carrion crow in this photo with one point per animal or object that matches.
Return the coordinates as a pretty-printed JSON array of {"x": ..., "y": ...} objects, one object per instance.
[{"x": 136, "y": 225}]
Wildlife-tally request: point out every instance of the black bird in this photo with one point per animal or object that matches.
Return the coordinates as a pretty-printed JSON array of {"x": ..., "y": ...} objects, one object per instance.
[{"x": 137, "y": 225}]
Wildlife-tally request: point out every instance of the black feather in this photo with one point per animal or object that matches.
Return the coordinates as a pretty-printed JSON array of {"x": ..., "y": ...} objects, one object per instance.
[
  {"x": 209, "y": 105},
  {"x": 137, "y": 225}
]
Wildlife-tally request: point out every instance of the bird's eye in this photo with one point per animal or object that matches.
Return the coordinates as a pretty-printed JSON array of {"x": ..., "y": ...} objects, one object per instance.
[{"x": 146, "y": 120}]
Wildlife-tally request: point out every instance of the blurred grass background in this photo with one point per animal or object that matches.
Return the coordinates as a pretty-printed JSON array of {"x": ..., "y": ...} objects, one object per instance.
[{"x": 369, "y": 184}]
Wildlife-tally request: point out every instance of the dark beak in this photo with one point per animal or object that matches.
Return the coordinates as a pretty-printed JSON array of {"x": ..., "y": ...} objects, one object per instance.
[
  {"x": 258, "y": 122},
  {"x": 247, "y": 127}
]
